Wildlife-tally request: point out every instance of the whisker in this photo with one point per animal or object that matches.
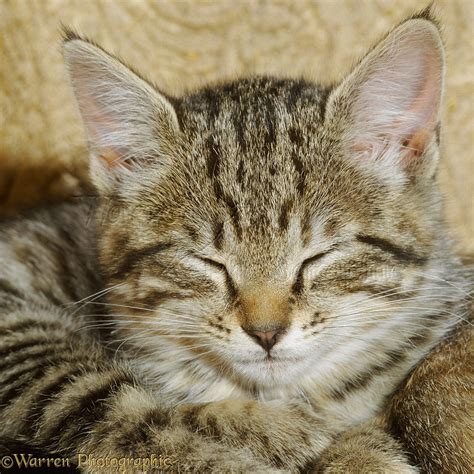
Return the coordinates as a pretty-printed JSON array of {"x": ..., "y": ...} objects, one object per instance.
[
  {"x": 99, "y": 293},
  {"x": 435, "y": 278}
]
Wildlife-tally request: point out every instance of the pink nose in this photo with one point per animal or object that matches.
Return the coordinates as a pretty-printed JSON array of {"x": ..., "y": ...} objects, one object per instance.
[{"x": 266, "y": 339}]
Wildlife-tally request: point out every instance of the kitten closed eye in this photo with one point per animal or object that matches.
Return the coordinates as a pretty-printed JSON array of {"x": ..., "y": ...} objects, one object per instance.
[
  {"x": 298, "y": 282},
  {"x": 230, "y": 285}
]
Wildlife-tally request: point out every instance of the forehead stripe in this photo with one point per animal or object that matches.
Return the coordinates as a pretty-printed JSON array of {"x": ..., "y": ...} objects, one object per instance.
[{"x": 213, "y": 158}]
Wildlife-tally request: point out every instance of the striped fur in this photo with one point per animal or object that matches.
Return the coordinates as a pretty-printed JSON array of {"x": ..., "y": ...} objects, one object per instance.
[{"x": 261, "y": 274}]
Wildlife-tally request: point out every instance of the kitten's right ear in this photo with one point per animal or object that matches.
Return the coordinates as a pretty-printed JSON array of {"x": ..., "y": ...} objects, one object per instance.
[{"x": 128, "y": 122}]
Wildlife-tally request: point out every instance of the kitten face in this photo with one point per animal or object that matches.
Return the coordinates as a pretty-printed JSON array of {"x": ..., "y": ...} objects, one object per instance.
[
  {"x": 259, "y": 232},
  {"x": 268, "y": 231}
]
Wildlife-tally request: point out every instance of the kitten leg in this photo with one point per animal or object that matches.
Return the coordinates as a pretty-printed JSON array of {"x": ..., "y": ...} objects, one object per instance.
[
  {"x": 286, "y": 435},
  {"x": 365, "y": 449},
  {"x": 61, "y": 393}
]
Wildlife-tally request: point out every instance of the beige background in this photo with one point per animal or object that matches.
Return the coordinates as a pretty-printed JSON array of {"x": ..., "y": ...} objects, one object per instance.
[{"x": 183, "y": 44}]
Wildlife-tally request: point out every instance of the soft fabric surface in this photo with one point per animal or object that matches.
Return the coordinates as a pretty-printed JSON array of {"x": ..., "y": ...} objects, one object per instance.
[{"x": 180, "y": 45}]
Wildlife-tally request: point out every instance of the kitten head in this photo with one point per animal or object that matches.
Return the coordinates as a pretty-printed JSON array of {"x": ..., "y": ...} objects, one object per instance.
[{"x": 247, "y": 225}]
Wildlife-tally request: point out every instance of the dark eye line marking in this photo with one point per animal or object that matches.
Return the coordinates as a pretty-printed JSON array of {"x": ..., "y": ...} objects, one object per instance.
[
  {"x": 231, "y": 289},
  {"x": 220, "y": 266},
  {"x": 374, "y": 289},
  {"x": 403, "y": 255},
  {"x": 316, "y": 257},
  {"x": 298, "y": 284},
  {"x": 134, "y": 257},
  {"x": 154, "y": 298}
]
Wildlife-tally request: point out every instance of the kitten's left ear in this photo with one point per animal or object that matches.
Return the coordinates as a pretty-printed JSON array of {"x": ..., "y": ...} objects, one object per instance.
[
  {"x": 389, "y": 105},
  {"x": 128, "y": 122}
]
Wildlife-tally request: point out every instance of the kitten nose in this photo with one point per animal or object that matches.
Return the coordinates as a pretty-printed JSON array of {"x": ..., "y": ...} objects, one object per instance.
[{"x": 266, "y": 339}]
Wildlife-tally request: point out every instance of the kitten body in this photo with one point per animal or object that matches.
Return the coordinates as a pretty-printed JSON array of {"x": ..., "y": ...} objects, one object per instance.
[{"x": 267, "y": 263}]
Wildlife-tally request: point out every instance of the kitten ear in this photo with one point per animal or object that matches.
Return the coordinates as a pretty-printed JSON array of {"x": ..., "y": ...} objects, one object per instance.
[
  {"x": 391, "y": 101},
  {"x": 126, "y": 119}
]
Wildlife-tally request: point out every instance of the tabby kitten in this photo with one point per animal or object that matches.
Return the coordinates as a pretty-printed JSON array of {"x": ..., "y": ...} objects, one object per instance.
[{"x": 268, "y": 262}]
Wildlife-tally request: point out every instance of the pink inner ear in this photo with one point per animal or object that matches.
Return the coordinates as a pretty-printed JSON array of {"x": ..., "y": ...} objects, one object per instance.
[
  {"x": 100, "y": 127},
  {"x": 393, "y": 98},
  {"x": 426, "y": 102},
  {"x": 424, "y": 108},
  {"x": 415, "y": 146},
  {"x": 111, "y": 158},
  {"x": 415, "y": 105}
]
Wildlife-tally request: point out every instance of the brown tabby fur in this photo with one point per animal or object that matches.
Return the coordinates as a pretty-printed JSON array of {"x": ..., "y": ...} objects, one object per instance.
[
  {"x": 265, "y": 265},
  {"x": 430, "y": 414}
]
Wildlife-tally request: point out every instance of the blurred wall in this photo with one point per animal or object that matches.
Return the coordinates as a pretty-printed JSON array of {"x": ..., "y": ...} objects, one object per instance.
[{"x": 180, "y": 45}]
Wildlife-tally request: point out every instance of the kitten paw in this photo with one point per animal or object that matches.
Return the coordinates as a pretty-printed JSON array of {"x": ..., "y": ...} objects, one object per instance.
[
  {"x": 366, "y": 449},
  {"x": 284, "y": 435}
]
